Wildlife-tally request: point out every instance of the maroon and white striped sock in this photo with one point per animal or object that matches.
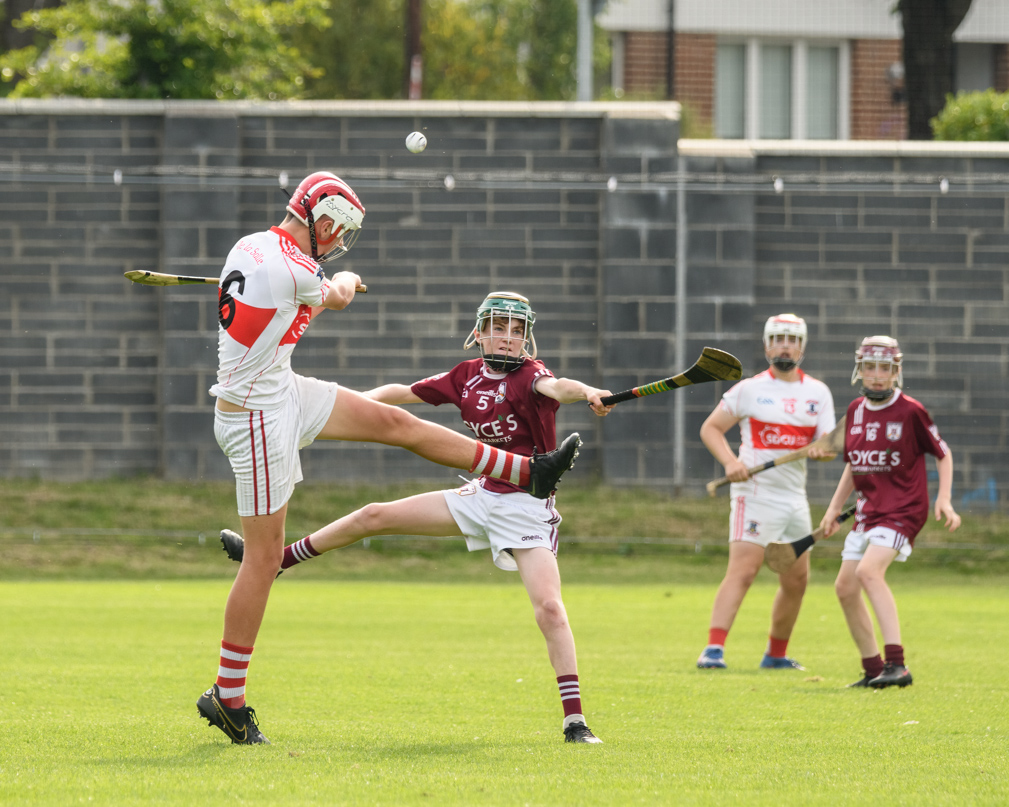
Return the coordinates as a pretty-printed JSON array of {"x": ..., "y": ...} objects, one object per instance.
[
  {"x": 298, "y": 552},
  {"x": 571, "y": 699},
  {"x": 232, "y": 673},
  {"x": 501, "y": 465}
]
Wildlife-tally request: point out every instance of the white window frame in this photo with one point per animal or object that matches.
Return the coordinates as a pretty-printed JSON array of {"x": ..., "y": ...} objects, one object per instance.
[{"x": 800, "y": 78}]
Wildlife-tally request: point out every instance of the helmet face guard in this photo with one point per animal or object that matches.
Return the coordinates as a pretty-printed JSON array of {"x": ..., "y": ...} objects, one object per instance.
[
  {"x": 781, "y": 327},
  {"x": 879, "y": 350},
  {"x": 508, "y": 308},
  {"x": 325, "y": 194}
]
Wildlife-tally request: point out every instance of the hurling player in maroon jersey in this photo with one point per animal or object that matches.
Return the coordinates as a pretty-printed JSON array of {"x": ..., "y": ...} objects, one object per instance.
[
  {"x": 888, "y": 435},
  {"x": 509, "y": 399}
]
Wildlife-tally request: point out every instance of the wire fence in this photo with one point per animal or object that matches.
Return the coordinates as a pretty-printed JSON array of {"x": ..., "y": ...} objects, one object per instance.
[{"x": 883, "y": 182}]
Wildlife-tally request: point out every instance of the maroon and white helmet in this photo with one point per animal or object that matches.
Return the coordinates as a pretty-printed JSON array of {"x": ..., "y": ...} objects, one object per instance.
[
  {"x": 881, "y": 350},
  {"x": 325, "y": 194}
]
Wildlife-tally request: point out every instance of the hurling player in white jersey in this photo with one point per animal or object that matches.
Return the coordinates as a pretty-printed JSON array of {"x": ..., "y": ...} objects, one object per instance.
[
  {"x": 779, "y": 410},
  {"x": 271, "y": 287},
  {"x": 507, "y": 397}
]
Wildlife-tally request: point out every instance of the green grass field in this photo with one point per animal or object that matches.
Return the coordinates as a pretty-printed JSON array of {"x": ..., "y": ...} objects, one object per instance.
[
  {"x": 412, "y": 672},
  {"x": 396, "y": 693}
]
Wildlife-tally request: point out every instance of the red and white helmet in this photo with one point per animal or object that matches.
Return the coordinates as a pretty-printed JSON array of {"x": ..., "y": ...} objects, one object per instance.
[
  {"x": 881, "y": 350},
  {"x": 786, "y": 325},
  {"x": 325, "y": 194}
]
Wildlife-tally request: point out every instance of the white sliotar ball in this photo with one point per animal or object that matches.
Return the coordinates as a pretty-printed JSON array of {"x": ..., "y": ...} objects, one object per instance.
[{"x": 416, "y": 142}]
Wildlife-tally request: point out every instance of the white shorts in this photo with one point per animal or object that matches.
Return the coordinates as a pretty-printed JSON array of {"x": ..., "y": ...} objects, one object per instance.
[
  {"x": 503, "y": 521},
  {"x": 857, "y": 541},
  {"x": 759, "y": 521},
  {"x": 263, "y": 446}
]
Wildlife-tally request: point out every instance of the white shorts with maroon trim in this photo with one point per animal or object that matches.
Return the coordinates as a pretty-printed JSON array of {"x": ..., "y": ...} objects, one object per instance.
[
  {"x": 263, "y": 446},
  {"x": 503, "y": 521},
  {"x": 857, "y": 541},
  {"x": 759, "y": 521}
]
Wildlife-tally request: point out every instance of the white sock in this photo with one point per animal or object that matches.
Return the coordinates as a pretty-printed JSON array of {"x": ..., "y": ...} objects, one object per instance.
[{"x": 574, "y": 719}]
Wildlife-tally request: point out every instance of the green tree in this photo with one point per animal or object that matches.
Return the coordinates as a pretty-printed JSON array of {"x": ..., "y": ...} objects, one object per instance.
[
  {"x": 473, "y": 50},
  {"x": 360, "y": 55},
  {"x": 224, "y": 49},
  {"x": 501, "y": 49}
]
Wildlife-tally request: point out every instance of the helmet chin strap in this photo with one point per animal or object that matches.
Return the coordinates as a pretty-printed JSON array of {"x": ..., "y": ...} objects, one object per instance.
[
  {"x": 783, "y": 364},
  {"x": 876, "y": 394},
  {"x": 502, "y": 363}
]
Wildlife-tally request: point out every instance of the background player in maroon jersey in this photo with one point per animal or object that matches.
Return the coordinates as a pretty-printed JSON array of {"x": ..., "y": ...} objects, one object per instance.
[
  {"x": 888, "y": 435},
  {"x": 510, "y": 399}
]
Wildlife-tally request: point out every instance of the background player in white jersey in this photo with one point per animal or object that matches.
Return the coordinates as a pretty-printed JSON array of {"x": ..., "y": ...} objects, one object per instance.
[
  {"x": 779, "y": 410},
  {"x": 506, "y": 397},
  {"x": 887, "y": 435},
  {"x": 271, "y": 287}
]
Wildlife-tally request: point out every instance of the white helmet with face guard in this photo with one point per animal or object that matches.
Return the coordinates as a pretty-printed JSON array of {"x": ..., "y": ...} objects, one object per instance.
[
  {"x": 777, "y": 330},
  {"x": 325, "y": 194},
  {"x": 879, "y": 350},
  {"x": 509, "y": 307}
]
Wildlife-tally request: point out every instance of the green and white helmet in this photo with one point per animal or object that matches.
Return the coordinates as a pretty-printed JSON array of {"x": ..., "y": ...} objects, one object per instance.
[{"x": 508, "y": 306}]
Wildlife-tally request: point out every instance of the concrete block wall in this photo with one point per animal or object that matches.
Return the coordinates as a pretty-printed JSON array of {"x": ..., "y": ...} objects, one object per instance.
[
  {"x": 863, "y": 240},
  {"x": 100, "y": 377}
]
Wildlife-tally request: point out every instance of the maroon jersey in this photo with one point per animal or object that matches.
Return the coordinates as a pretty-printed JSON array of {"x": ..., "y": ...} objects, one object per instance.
[
  {"x": 886, "y": 447},
  {"x": 499, "y": 408}
]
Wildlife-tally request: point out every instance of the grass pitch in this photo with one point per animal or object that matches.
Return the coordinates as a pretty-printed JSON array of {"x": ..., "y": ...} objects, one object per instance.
[{"x": 394, "y": 693}]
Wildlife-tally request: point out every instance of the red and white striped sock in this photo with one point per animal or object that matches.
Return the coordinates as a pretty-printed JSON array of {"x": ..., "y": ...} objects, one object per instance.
[
  {"x": 298, "y": 552},
  {"x": 232, "y": 673},
  {"x": 501, "y": 465},
  {"x": 571, "y": 699}
]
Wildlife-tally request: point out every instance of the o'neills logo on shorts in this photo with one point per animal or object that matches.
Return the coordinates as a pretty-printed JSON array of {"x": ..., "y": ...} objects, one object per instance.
[{"x": 780, "y": 435}]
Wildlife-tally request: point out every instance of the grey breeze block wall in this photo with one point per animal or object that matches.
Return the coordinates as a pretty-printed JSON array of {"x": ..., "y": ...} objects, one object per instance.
[{"x": 100, "y": 377}]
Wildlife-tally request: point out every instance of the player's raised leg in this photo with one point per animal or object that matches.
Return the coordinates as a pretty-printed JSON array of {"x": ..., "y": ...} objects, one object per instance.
[
  {"x": 423, "y": 514},
  {"x": 745, "y": 559},
  {"x": 540, "y": 575},
  {"x": 357, "y": 417}
]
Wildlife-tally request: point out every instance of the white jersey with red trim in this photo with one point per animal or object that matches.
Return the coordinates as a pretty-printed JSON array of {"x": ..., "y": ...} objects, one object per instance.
[
  {"x": 776, "y": 417},
  {"x": 265, "y": 297}
]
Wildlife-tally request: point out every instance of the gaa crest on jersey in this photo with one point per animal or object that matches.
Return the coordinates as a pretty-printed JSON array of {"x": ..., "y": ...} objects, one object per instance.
[
  {"x": 502, "y": 392},
  {"x": 789, "y": 404},
  {"x": 894, "y": 430},
  {"x": 812, "y": 407},
  {"x": 871, "y": 430}
]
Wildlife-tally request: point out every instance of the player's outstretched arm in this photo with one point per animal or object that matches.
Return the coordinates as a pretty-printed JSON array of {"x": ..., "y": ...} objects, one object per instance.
[
  {"x": 394, "y": 394},
  {"x": 943, "y": 500},
  {"x": 845, "y": 486},
  {"x": 567, "y": 390}
]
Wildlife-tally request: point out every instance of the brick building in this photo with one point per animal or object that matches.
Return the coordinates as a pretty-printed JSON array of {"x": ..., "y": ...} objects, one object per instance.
[{"x": 789, "y": 69}]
